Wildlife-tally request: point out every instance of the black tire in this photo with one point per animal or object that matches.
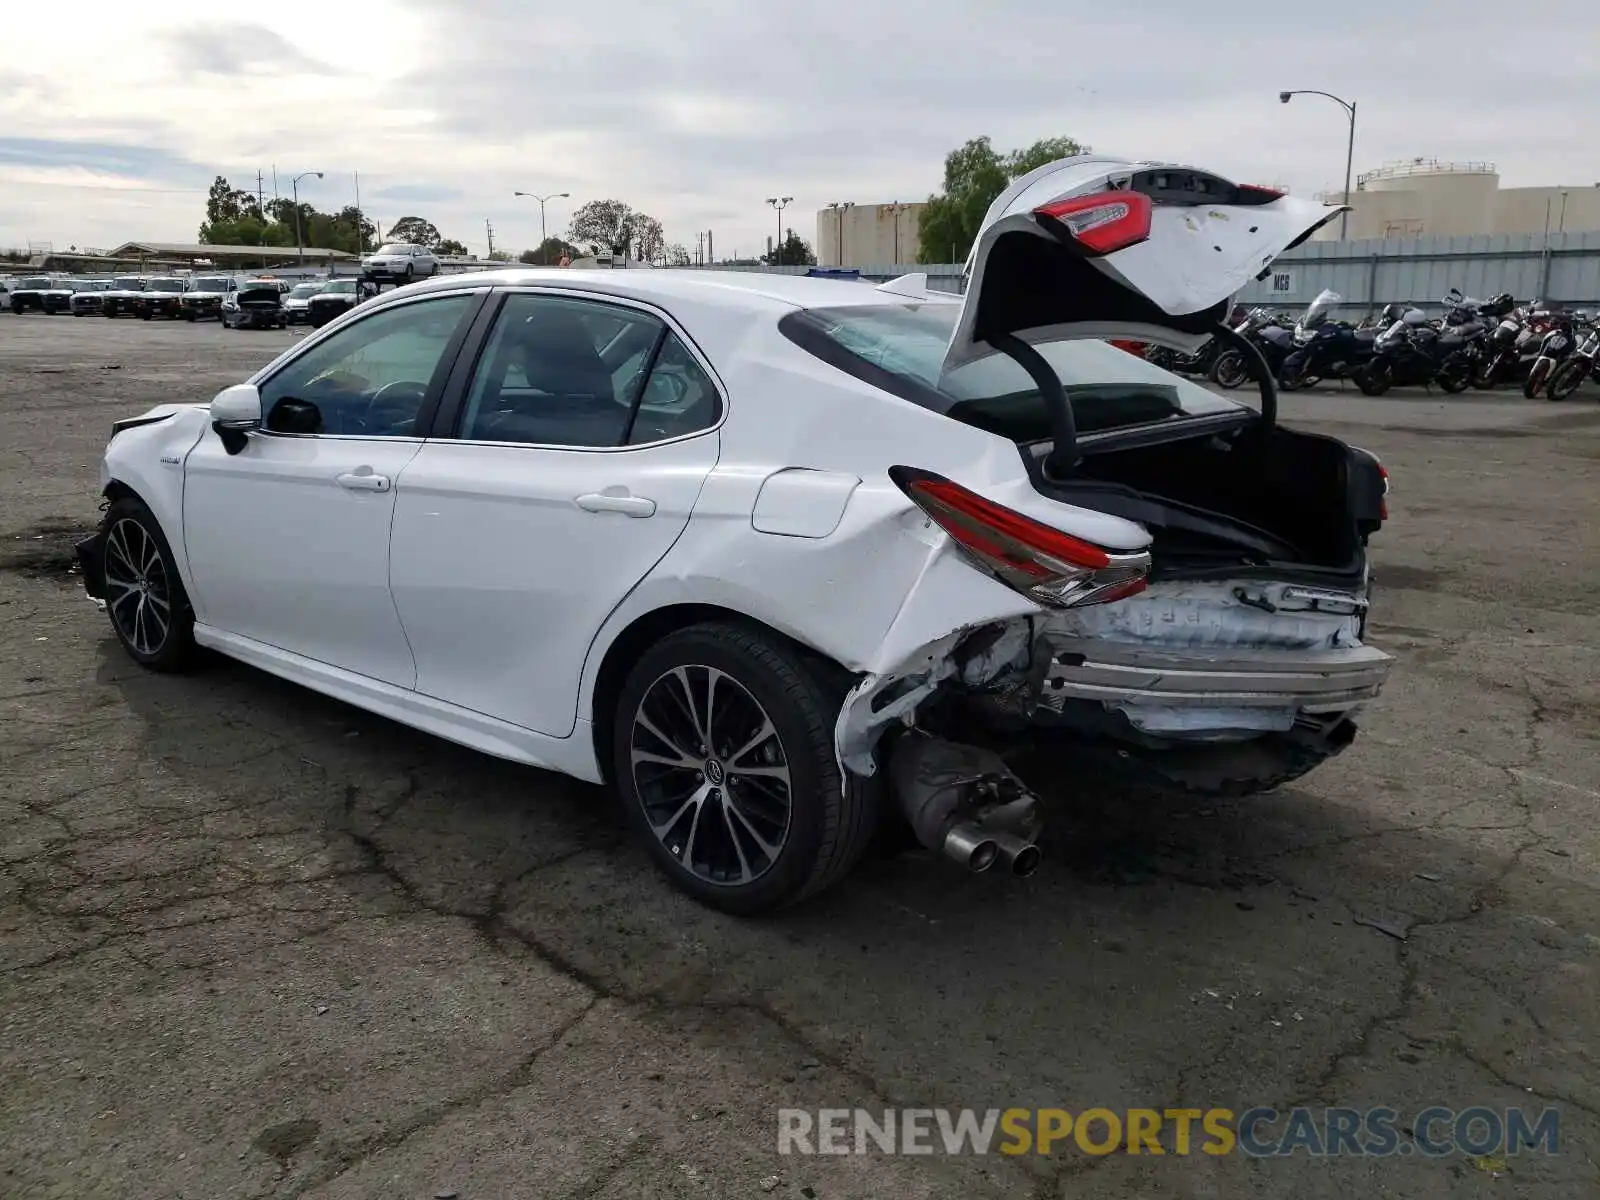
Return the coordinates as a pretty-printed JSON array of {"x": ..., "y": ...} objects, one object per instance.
[
  {"x": 141, "y": 575},
  {"x": 1537, "y": 377},
  {"x": 1375, "y": 379},
  {"x": 826, "y": 825},
  {"x": 145, "y": 315},
  {"x": 16, "y": 310},
  {"x": 411, "y": 272},
  {"x": 1455, "y": 377},
  {"x": 1566, "y": 379},
  {"x": 1229, "y": 370}
]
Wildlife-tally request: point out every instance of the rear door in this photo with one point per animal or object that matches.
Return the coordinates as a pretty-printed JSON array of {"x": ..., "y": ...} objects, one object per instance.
[
  {"x": 581, "y": 441},
  {"x": 1100, "y": 247}
]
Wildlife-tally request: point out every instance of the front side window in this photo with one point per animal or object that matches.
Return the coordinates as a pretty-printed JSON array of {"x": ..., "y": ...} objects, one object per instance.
[
  {"x": 901, "y": 347},
  {"x": 371, "y": 378},
  {"x": 561, "y": 371}
]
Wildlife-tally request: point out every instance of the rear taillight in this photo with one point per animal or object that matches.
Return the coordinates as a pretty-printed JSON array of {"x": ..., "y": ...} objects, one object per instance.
[
  {"x": 1383, "y": 505},
  {"x": 1102, "y": 222},
  {"x": 1042, "y": 563}
]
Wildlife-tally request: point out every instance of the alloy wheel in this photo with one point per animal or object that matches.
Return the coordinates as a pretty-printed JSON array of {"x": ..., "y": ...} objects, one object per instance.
[
  {"x": 711, "y": 774},
  {"x": 138, "y": 592}
]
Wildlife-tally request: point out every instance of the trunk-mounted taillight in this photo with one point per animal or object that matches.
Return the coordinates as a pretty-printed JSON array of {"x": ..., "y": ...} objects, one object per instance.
[
  {"x": 1044, "y": 564},
  {"x": 1102, "y": 222}
]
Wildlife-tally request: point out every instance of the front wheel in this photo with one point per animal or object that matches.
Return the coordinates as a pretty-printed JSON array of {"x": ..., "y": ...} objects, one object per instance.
[
  {"x": 1567, "y": 378},
  {"x": 1488, "y": 373},
  {"x": 1229, "y": 371},
  {"x": 1455, "y": 377},
  {"x": 722, "y": 749},
  {"x": 1375, "y": 379},
  {"x": 145, "y": 600},
  {"x": 1536, "y": 377}
]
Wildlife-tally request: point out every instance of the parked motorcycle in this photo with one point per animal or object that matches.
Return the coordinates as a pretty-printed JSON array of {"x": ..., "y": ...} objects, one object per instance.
[
  {"x": 1553, "y": 350},
  {"x": 1514, "y": 345},
  {"x": 1272, "y": 338},
  {"x": 1413, "y": 352},
  {"x": 1325, "y": 349},
  {"x": 1569, "y": 375}
]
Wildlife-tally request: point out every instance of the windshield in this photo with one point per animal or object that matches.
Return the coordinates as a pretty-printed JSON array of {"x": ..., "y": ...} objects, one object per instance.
[
  {"x": 34, "y": 282},
  {"x": 209, "y": 285},
  {"x": 301, "y": 291},
  {"x": 96, "y": 285},
  {"x": 394, "y": 248},
  {"x": 340, "y": 286},
  {"x": 901, "y": 349},
  {"x": 166, "y": 285},
  {"x": 1322, "y": 307},
  {"x": 64, "y": 285},
  {"x": 129, "y": 284}
]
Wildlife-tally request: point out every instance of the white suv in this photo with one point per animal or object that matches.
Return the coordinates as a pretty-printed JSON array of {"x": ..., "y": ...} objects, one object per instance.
[{"x": 400, "y": 261}]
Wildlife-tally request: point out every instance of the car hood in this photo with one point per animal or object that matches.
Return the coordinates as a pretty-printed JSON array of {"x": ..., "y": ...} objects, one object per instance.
[{"x": 1092, "y": 246}]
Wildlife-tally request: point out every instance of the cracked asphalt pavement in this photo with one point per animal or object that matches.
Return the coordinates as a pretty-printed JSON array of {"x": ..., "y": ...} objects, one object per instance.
[{"x": 254, "y": 943}]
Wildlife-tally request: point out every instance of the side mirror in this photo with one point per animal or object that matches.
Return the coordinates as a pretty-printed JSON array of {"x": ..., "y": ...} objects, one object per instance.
[{"x": 235, "y": 411}]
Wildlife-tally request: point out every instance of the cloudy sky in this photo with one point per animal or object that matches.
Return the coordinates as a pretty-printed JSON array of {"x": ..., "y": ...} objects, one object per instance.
[{"x": 116, "y": 116}]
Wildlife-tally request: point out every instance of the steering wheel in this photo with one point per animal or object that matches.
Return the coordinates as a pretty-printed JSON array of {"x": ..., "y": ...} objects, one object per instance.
[{"x": 403, "y": 396}]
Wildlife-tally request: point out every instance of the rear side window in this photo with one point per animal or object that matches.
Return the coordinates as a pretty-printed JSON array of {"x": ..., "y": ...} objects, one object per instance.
[{"x": 900, "y": 348}]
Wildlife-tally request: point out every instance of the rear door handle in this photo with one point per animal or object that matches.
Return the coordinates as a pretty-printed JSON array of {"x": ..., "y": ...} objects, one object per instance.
[
  {"x": 363, "y": 481},
  {"x": 618, "y": 502}
]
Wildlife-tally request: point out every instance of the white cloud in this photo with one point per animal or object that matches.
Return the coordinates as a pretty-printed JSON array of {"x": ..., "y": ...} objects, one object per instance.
[{"x": 698, "y": 110}]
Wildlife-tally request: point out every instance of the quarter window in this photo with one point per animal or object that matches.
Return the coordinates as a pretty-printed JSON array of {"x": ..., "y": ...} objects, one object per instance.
[
  {"x": 561, "y": 371},
  {"x": 371, "y": 378}
]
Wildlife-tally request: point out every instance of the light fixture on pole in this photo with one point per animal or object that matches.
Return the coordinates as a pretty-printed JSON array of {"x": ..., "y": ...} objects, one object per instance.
[
  {"x": 895, "y": 209},
  {"x": 299, "y": 241},
  {"x": 1349, "y": 107},
  {"x": 779, "y": 203},
  {"x": 839, "y": 207},
  {"x": 542, "y": 200}
]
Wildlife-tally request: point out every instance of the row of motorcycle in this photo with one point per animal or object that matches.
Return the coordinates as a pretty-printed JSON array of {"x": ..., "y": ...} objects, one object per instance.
[{"x": 1477, "y": 343}]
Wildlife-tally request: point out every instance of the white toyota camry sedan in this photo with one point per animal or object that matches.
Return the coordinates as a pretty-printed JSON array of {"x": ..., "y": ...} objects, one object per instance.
[{"x": 787, "y": 560}]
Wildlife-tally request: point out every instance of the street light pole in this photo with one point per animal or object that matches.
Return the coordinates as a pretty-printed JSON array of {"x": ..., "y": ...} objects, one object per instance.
[
  {"x": 1349, "y": 107},
  {"x": 839, "y": 208},
  {"x": 895, "y": 209},
  {"x": 299, "y": 240},
  {"x": 542, "y": 200},
  {"x": 779, "y": 203}
]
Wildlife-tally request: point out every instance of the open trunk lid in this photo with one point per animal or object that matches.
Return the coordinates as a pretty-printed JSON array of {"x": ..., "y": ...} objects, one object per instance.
[{"x": 1102, "y": 247}]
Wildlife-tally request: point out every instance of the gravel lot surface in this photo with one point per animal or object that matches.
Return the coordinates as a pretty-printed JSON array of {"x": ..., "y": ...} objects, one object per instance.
[{"x": 254, "y": 943}]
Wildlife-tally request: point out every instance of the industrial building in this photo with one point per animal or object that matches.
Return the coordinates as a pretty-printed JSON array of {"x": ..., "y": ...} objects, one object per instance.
[
  {"x": 1423, "y": 197},
  {"x": 866, "y": 235}
]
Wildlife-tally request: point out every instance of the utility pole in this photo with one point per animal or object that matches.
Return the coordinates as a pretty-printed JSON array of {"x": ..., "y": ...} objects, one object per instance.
[
  {"x": 261, "y": 194},
  {"x": 488, "y": 231},
  {"x": 779, "y": 203},
  {"x": 361, "y": 236},
  {"x": 699, "y": 248},
  {"x": 711, "y": 255},
  {"x": 895, "y": 209}
]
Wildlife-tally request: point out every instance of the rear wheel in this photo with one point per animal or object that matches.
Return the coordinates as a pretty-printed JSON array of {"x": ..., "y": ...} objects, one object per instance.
[
  {"x": 145, "y": 600},
  {"x": 1566, "y": 379},
  {"x": 1375, "y": 379},
  {"x": 1488, "y": 372},
  {"x": 1455, "y": 376},
  {"x": 1537, "y": 376},
  {"x": 722, "y": 749},
  {"x": 1229, "y": 370}
]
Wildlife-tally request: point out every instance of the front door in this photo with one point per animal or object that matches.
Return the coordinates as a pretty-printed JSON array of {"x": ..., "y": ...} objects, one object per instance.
[
  {"x": 581, "y": 446},
  {"x": 288, "y": 540}
]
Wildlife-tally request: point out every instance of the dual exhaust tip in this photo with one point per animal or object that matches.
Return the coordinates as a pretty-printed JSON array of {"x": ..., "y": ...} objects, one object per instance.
[{"x": 978, "y": 850}]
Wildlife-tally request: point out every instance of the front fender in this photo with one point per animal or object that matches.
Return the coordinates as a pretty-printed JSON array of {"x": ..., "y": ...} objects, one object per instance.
[{"x": 147, "y": 458}]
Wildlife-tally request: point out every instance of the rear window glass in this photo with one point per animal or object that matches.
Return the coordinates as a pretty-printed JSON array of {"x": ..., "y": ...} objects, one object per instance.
[{"x": 900, "y": 348}]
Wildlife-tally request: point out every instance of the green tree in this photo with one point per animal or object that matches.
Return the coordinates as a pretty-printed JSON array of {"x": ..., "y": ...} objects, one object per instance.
[
  {"x": 548, "y": 253},
  {"x": 793, "y": 251},
  {"x": 451, "y": 246},
  {"x": 676, "y": 255},
  {"x": 974, "y": 175},
  {"x": 415, "y": 230},
  {"x": 224, "y": 202},
  {"x": 604, "y": 226}
]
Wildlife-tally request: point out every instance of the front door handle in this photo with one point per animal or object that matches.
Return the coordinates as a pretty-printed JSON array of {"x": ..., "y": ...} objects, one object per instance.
[
  {"x": 617, "y": 501},
  {"x": 364, "y": 481}
]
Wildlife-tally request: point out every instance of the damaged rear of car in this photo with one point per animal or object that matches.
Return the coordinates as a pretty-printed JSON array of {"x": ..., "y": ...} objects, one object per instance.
[{"x": 1198, "y": 573}]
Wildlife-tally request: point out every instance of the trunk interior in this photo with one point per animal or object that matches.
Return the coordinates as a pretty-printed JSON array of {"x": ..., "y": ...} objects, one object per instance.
[{"x": 1255, "y": 501}]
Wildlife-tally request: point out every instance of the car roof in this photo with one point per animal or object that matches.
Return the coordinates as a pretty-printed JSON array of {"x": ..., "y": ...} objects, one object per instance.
[{"x": 728, "y": 289}]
